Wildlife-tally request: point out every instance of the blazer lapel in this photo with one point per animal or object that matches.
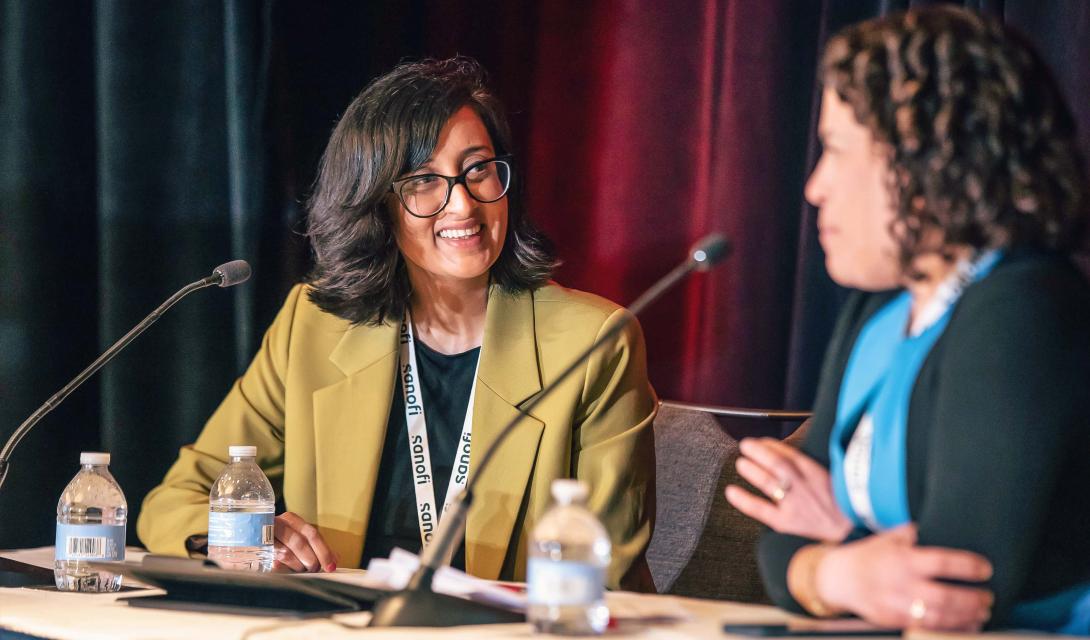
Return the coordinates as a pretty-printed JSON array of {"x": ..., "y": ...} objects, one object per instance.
[
  {"x": 508, "y": 376},
  {"x": 350, "y": 419}
]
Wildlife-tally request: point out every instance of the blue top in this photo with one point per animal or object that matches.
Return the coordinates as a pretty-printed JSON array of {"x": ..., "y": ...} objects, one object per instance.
[
  {"x": 879, "y": 378},
  {"x": 878, "y": 381}
]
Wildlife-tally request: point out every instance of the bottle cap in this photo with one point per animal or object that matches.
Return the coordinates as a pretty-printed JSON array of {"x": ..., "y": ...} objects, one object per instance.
[
  {"x": 568, "y": 491},
  {"x": 94, "y": 457},
  {"x": 242, "y": 451}
]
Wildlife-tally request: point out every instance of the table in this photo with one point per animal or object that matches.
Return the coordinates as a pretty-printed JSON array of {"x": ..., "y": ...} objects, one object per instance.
[{"x": 53, "y": 614}]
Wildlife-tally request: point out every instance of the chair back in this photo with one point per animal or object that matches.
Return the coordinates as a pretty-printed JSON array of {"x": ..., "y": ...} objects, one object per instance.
[{"x": 701, "y": 546}]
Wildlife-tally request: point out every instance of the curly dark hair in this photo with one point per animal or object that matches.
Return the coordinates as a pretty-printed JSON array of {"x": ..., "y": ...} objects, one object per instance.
[
  {"x": 392, "y": 128},
  {"x": 982, "y": 145}
]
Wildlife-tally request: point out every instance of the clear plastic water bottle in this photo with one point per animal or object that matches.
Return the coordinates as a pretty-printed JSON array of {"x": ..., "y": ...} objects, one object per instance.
[
  {"x": 91, "y": 516},
  {"x": 569, "y": 555},
  {"x": 240, "y": 514}
]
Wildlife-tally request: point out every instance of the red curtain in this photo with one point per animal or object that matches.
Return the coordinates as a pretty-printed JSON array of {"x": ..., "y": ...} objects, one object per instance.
[{"x": 652, "y": 127}]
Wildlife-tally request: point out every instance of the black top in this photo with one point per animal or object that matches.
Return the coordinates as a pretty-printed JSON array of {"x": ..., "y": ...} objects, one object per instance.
[
  {"x": 997, "y": 431},
  {"x": 445, "y": 383}
]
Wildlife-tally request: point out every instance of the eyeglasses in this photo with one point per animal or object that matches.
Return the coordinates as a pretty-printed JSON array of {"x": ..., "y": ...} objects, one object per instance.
[{"x": 427, "y": 194}]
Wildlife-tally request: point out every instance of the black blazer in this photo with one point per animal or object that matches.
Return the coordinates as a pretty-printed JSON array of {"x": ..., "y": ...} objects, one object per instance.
[{"x": 998, "y": 437}]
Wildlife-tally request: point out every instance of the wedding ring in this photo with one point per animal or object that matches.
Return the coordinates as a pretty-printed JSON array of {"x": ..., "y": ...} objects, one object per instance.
[
  {"x": 917, "y": 610},
  {"x": 780, "y": 492}
]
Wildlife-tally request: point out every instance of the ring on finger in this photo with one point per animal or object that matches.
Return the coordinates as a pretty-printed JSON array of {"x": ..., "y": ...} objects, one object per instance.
[
  {"x": 917, "y": 610},
  {"x": 780, "y": 492}
]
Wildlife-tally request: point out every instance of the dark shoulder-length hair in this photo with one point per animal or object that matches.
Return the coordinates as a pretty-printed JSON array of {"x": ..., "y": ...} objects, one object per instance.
[
  {"x": 981, "y": 144},
  {"x": 391, "y": 128}
]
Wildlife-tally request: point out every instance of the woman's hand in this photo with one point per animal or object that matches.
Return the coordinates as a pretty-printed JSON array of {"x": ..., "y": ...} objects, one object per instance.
[
  {"x": 887, "y": 580},
  {"x": 801, "y": 492},
  {"x": 299, "y": 547}
]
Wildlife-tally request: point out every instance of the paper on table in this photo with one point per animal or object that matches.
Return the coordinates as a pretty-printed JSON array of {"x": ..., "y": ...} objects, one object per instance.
[{"x": 394, "y": 573}]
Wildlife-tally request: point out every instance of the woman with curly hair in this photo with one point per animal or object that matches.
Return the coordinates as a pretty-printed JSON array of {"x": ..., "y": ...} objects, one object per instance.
[
  {"x": 941, "y": 484},
  {"x": 428, "y": 319}
]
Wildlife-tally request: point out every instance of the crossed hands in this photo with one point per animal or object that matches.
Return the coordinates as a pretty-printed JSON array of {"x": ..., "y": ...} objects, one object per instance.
[
  {"x": 884, "y": 578},
  {"x": 888, "y": 580}
]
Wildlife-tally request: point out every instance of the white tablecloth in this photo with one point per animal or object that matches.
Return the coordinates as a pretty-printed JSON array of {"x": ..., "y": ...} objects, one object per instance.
[{"x": 53, "y": 614}]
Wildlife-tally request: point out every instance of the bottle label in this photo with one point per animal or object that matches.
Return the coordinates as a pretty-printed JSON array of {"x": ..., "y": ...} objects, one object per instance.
[
  {"x": 563, "y": 583},
  {"x": 239, "y": 529},
  {"x": 90, "y": 542}
]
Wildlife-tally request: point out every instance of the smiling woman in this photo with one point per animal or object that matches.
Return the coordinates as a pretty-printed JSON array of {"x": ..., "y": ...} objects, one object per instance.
[
  {"x": 428, "y": 319},
  {"x": 455, "y": 250},
  {"x": 395, "y": 148}
]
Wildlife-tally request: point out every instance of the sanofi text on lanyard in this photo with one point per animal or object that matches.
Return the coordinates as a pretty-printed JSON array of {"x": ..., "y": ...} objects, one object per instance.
[{"x": 417, "y": 426}]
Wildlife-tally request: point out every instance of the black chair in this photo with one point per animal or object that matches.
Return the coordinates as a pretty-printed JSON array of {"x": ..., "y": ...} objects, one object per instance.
[{"x": 702, "y": 547}]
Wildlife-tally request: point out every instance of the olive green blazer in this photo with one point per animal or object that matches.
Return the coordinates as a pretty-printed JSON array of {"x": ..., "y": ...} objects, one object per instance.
[{"x": 316, "y": 399}]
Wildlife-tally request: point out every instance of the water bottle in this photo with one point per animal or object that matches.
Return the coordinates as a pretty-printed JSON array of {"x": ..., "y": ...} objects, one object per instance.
[
  {"x": 569, "y": 555},
  {"x": 240, "y": 514},
  {"x": 91, "y": 517}
]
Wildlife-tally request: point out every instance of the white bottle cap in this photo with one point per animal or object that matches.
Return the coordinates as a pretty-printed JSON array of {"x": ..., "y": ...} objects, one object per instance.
[
  {"x": 242, "y": 451},
  {"x": 568, "y": 491},
  {"x": 94, "y": 457}
]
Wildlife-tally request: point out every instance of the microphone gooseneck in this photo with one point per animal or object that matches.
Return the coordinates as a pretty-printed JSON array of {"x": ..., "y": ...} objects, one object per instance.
[
  {"x": 225, "y": 275},
  {"x": 417, "y": 605}
]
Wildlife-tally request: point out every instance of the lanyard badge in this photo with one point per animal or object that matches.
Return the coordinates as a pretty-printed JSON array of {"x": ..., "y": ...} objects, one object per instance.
[{"x": 417, "y": 427}]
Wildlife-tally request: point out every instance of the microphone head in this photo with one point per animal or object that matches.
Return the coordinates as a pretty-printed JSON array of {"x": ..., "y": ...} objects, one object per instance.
[
  {"x": 232, "y": 273},
  {"x": 709, "y": 250}
]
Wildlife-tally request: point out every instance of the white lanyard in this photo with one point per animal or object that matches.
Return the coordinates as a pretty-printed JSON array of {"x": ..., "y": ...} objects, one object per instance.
[{"x": 417, "y": 426}]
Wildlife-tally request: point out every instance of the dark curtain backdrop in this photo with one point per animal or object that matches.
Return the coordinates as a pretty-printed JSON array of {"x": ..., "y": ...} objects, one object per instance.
[{"x": 143, "y": 143}]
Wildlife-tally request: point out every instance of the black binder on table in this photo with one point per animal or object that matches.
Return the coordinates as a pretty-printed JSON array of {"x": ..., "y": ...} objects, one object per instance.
[
  {"x": 20, "y": 574},
  {"x": 200, "y": 585}
]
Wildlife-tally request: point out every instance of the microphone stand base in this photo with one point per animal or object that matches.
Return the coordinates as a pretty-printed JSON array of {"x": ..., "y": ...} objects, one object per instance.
[{"x": 425, "y": 608}]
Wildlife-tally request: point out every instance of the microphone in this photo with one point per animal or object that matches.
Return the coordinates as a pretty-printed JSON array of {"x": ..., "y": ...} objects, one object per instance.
[
  {"x": 226, "y": 275},
  {"x": 709, "y": 251},
  {"x": 417, "y": 605},
  {"x": 231, "y": 273}
]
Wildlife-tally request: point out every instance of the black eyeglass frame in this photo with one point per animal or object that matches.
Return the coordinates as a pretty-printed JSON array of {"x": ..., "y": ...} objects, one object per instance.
[{"x": 455, "y": 180}]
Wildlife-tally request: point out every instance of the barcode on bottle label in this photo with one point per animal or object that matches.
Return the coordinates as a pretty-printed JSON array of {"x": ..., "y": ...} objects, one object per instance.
[
  {"x": 86, "y": 547},
  {"x": 563, "y": 583},
  {"x": 239, "y": 529},
  {"x": 90, "y": 542}
]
